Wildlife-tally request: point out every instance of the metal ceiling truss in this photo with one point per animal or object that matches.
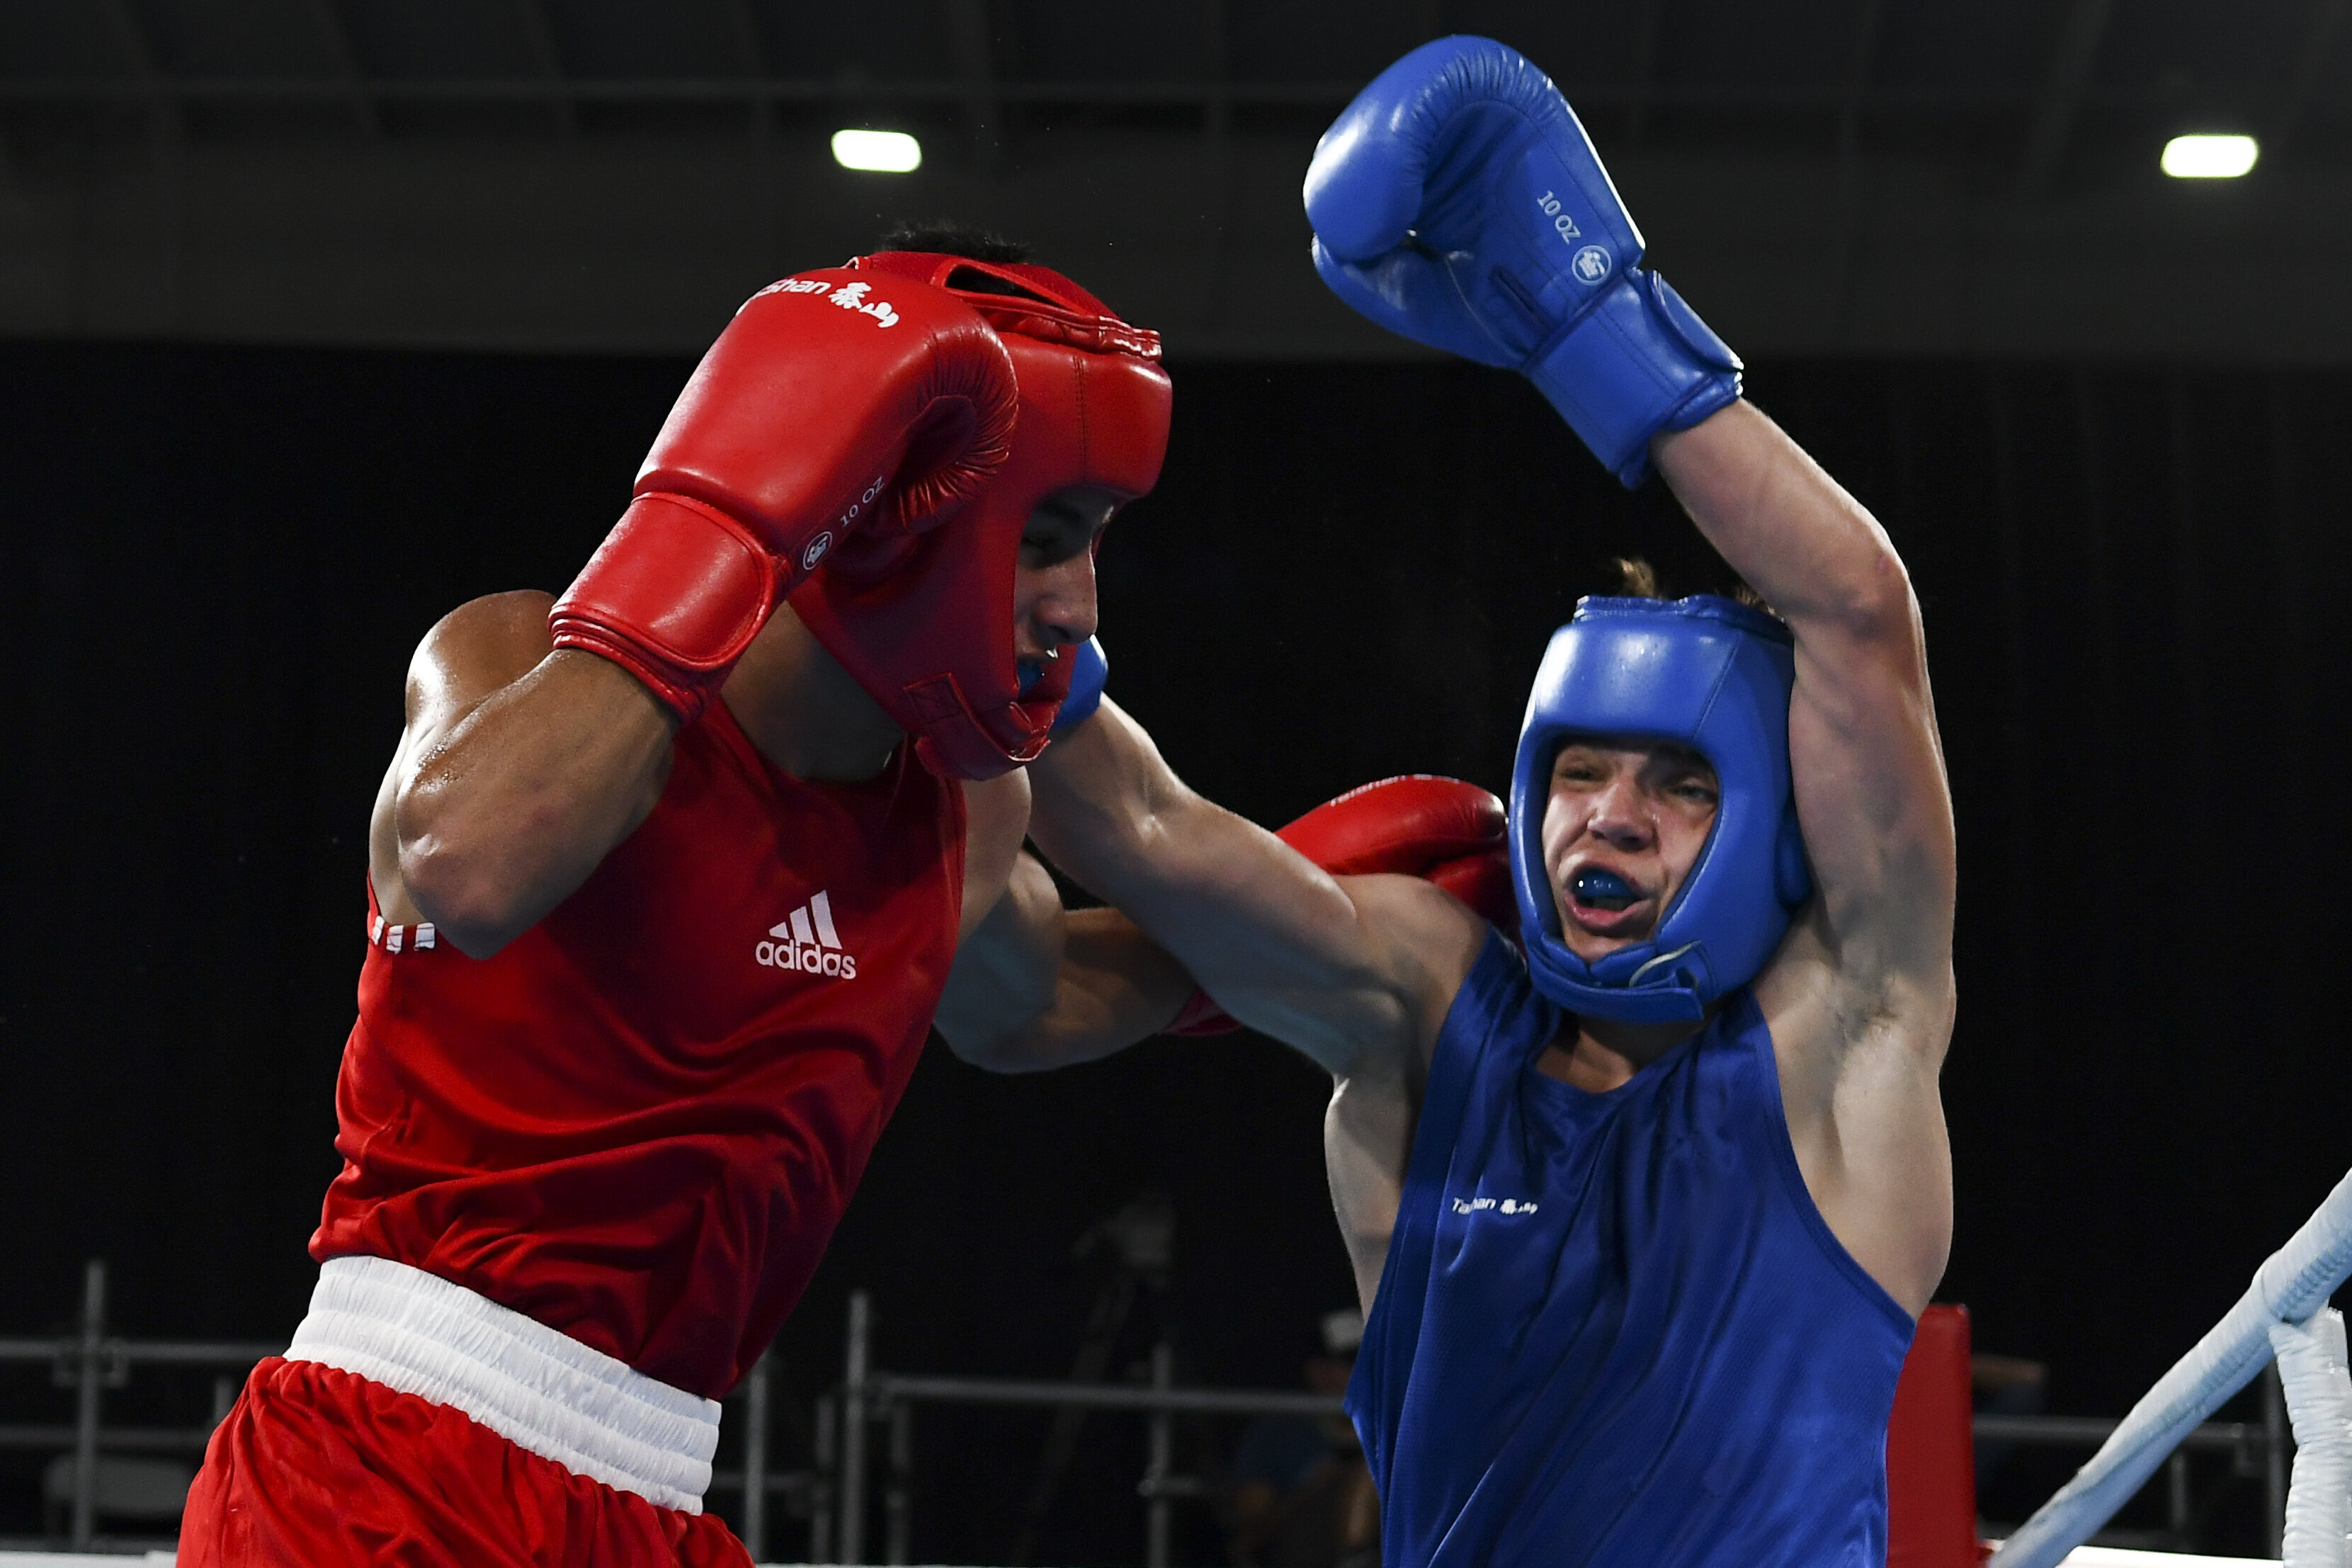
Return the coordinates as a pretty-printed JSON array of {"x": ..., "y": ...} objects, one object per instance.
[
  {"x": 1830, "y": 97},
  {"x": 980, "y": 97}
]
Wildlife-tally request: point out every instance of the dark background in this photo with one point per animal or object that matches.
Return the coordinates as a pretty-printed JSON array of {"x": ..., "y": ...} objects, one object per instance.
[
  {"x": 1937, "y": 230},
  {"x": 216, "y": 561}
]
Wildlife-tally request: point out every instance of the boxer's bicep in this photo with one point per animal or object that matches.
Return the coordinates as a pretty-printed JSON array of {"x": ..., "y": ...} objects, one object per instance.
[
  {"x": 1363, "y": 993},
  {"x": 1264, "y": 929},
  {"x": 468, "y": 655},
  {"x": 520, "y": 769},
  {"x": 471, "y": 653},
  {"x": 1333, "y": 968}
]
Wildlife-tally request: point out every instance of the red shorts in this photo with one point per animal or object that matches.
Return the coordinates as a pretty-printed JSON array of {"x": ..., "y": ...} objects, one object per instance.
[{"x": 317, "y": 1468}]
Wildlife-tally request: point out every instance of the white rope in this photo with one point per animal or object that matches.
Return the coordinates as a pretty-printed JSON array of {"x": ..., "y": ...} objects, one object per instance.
[
  {"x": 2291, "y": 1286},
  {"x": 2319, "y": 1402}
]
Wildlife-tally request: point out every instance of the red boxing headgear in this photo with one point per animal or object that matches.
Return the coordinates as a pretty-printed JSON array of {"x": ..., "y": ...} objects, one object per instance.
[{"x": 930, "y": 638}]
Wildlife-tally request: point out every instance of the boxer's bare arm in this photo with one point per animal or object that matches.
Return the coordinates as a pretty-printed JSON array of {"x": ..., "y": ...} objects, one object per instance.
[
  {"x": 1029, "y": 992},
  {"x": 996, "y": 821},
  {"x": 1860, "y": 997},
  {"x": 1036, "y": 986},
  {"x": 1343, "y": 974},
  {"x": 519, "y": 769},
  {"x": 1357, "y": 973},
  {"x": 1033, "y": 986}
]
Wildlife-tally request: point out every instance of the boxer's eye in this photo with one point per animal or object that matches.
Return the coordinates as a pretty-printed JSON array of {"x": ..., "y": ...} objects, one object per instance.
[
  {"x": 1046, "y": 541},
  {"x": 1684, "y": 775},
  {"x": 1576, "y": 767},
  {"x": 1064, "y": 524}
]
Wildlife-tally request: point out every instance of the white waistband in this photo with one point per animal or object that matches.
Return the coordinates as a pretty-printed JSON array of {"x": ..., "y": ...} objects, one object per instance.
[{"x": 539, "y": 1389}]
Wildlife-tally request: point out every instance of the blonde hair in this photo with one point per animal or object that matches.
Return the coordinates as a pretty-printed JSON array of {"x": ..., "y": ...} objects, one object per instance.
[{"x": 1637, "y": 579}]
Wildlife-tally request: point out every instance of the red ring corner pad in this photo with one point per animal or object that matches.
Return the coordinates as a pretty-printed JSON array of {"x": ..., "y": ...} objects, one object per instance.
[{"x": 1931, "y": 1476}]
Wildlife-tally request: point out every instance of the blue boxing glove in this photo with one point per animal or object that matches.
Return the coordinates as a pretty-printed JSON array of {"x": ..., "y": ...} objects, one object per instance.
[
  {"x": 1089, "y": 670},
  {"x": 1458, "y": 202}
]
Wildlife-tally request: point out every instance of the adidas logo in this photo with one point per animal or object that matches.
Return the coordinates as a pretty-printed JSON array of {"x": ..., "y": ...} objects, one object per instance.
[{"x": 805, "y": 939}]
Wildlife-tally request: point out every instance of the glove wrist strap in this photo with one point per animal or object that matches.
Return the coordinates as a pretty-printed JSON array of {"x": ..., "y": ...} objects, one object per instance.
[
  {"x": 1638, "y": 362},
  {"x": 674, "y": 595}
]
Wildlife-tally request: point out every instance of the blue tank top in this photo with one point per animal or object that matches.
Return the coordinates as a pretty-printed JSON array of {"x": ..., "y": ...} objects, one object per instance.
[{"x": 1612, "y": 1328}]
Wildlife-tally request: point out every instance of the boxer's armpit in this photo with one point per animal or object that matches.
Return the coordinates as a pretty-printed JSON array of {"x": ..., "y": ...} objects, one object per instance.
[
  {"x": 1367, "y": 1142},
  {"x": 1430, "y": 941}
]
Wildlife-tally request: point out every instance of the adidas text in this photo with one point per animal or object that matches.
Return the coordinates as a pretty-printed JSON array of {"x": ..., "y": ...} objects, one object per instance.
[
  {"x": 806, "y": 957},
  {"x": 805, "y": 940}
]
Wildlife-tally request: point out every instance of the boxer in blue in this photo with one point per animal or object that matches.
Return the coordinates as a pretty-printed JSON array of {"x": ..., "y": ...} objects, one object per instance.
[{"x": 1640, "y": 1219}]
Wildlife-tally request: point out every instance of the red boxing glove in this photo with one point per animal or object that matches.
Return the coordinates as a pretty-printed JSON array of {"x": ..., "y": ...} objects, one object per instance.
[
  {"x": 837, "y": 406},
  {"x": 1418, "y": 825}
]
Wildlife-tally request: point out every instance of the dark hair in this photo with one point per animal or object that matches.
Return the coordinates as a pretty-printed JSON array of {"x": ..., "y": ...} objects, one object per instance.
[{"x": 947, "y": 237}]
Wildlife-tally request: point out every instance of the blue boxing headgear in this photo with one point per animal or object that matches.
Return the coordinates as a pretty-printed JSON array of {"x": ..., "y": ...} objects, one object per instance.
[{"x": 1702, "y": 672}]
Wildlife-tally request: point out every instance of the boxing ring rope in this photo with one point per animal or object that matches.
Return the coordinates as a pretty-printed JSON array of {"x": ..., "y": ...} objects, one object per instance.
[
  {"x": 2282, "y": 1316},
  {"x": 2319, "y": 1400}
]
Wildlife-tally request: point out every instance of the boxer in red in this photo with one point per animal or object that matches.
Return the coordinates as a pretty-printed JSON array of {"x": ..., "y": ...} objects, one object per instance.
[{"x": 666, "y": 882}]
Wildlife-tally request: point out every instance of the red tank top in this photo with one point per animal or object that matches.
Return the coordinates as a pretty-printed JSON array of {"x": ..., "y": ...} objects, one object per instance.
[{"x": 640, "y": 1121}]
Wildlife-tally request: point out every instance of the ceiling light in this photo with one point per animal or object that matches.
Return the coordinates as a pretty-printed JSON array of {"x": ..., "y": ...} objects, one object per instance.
[
  {"x": 2208, "y": 157},
  {"x": 883, "y": 151}
]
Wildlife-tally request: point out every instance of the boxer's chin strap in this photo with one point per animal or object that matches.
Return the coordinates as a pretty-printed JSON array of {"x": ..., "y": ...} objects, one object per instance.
[
  {"x": 1638, "y": 986},
  {"x": 1687, "y": 947},
  {"x": 954, "y": 743}
]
